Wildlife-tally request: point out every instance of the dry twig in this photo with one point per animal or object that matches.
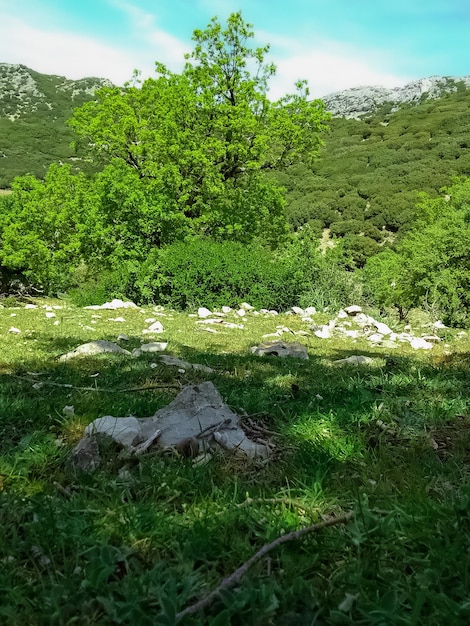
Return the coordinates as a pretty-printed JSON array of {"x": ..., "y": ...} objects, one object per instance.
[{"x": 235, "y": 577}]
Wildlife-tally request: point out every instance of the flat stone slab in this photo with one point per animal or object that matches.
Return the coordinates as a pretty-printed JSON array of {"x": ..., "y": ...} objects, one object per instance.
[
  {"x": 282, "y": 349},
  {"x": 100, "y": 346}
]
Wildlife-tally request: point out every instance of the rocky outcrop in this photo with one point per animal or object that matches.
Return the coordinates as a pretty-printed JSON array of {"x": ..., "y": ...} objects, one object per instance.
[{"x": 360, "y": 101}]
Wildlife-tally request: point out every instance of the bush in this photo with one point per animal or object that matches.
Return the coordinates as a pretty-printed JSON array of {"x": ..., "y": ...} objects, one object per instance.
[{"x": 201, "y": 271}]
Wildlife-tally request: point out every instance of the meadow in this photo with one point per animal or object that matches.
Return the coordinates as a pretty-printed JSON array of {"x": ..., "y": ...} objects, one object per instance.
[{"x": 142, "y": 538}]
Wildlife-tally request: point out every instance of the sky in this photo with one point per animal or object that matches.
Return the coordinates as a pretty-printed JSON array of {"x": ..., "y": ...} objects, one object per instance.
[{"x": 334, "y": 44}]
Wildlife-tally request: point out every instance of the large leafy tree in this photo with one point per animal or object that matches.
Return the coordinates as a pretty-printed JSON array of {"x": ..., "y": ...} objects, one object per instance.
[{"x": 207, "y": 138}]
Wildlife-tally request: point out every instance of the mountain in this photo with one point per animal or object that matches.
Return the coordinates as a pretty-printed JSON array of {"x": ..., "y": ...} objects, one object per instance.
[
  {"x": 359, "y": 101},
  {"x": 384, "y": 147},
  {"x": 34, "y": 109}
]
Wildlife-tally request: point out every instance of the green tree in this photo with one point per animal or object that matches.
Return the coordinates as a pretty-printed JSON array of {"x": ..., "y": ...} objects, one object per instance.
[
  {"x": 208, "y": 137},
  {"x": 43, "y": 232},
  {"x": 431, "y": 265}
]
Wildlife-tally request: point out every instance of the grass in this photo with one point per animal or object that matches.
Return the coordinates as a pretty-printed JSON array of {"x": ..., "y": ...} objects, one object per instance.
[{"x": 139, "y": 539}]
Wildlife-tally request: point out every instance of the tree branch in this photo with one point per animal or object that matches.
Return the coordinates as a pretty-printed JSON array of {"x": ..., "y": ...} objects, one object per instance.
[{"x": 235, "y": 577}]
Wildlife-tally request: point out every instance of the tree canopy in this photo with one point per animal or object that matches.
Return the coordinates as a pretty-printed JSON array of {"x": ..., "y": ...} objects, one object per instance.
[{"x": 208, "y": 137}]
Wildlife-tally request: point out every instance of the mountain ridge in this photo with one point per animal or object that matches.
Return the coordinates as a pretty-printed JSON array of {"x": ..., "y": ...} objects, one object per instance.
[{"x": 356, "y": 102}]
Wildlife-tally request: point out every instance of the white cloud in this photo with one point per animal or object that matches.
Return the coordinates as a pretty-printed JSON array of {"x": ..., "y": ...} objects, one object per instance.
[
  {"x": 329, "y": 66},
  {"x": 63, "y": 53}
]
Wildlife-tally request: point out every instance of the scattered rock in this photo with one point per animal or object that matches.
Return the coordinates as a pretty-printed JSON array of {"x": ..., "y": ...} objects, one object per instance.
[
  {"x": 86, "y": 454},
  {"x": 114, "y": 304},
  {"x": 100, "y": 346},
  {"x": 418, "y": 343},
  {"x": 172, "y": 360},
  {"x": 358, "y": 359},
  {"x": 156, "y": 327},
  {"x": 246, "y": 306},
  {"x": 439, "y": 324},
  {"x": 353, "y": 310},
  {"x": 323, "y": 332},
  {"x": 281, "y": 349},
  {"x": 14, "y": 330},
  {"x": 155, "y": 346},
  {"x": 203, "y": 312}
]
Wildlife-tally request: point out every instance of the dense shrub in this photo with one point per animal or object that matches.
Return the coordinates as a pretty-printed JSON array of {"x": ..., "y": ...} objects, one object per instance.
[{"x": 205, "y": 272}]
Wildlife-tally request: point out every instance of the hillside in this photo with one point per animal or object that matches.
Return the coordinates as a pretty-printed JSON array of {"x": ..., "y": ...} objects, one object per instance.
[
  {"x": 384, "y": 147},
  {"x": 367, "y": 182},
  {"x": 33, "y": 110}
]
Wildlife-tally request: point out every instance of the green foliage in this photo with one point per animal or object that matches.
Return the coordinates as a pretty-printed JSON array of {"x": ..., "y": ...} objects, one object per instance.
[
  {"x": 203, "y": 272},
  {"x": 372, "y": 170},
  {"x": 43, "y": 229},
  {"x": 431, "y": 265},
  {"x": 33, "y": 124},
  {"x": 206, "y": 138}
]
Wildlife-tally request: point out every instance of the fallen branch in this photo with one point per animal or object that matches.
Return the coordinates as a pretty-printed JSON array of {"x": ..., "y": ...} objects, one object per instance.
[
  {"x": 127, "y": 390},
  {"x": 236, "y": 576}
]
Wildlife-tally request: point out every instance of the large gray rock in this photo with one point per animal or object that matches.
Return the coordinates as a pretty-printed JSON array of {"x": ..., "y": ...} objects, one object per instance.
[{"x": 197, "y": 420}]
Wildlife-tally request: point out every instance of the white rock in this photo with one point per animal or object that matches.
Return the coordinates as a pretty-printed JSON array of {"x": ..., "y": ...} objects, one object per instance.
[
  {"x": 174, "y": 361},
  {"x": 114, "y": 304},
  {"x": 156, "y": 327},
  {"x": 150, "y": 320},
  {"x": 354, "y": 309},
  {"x": 419, "y": 343},
  {"x": 203, "y": 312},
  {"x": 439, "y": 324},
  {"x": 30, "y": 306},
  {"x": 14, "y": 330},
  {"x": 241, "y": 312},
  {"x": 123, "y": 337},
  {"x": 323, "y": 333},
  {"x": 155, "y": 346},
  {"x": 246, "y": 306},
  {"x": 382, "y": 328},
  {"x": 310, "y": 310},
  {"x": 116, "y": 319},
  {"x": 431, "y": 338},
  {"x": 353, "y": 334},
  {"x": 94, "y": 347},
  {"x": 358, "y": 359},
  {"x": 297, "y": 310},
  {"x": 342, "y": 314},
  {"x": 124, "y": 430},
  {"x": 281, "y": 349},
  {"x": 375, "y": 338},
  {"x": 226, "y": 309}
]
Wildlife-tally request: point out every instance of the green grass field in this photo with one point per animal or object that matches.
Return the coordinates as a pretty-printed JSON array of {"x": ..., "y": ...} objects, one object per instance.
[{"x": 141, "y": 538}]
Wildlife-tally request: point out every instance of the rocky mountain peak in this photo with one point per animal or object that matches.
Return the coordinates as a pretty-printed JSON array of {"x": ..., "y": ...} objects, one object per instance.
[
  {"x": 359, "y": 101},
  {"x": 24, "y": 91}
]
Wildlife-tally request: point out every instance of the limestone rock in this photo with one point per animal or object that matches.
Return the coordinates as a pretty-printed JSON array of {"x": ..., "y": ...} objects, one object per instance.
[
  {"x": 203, "y": 312},
  {"x": 154, "y": 346},
  {"x": 100, "y": 346},
  {"x": 114, "y": 304},
  {"x": 172, "y": 360},
  {"x": 358, "y": 359},
  {"x": 281, "y": 349},
  {"x": 197, "y": 414}
]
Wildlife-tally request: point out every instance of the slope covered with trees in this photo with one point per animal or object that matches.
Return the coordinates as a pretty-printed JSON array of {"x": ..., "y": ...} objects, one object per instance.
[{"x": 365, "y": 187}]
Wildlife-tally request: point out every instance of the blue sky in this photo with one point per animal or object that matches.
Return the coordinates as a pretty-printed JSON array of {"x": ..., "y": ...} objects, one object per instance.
[{"x": 335, "y": 44}]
